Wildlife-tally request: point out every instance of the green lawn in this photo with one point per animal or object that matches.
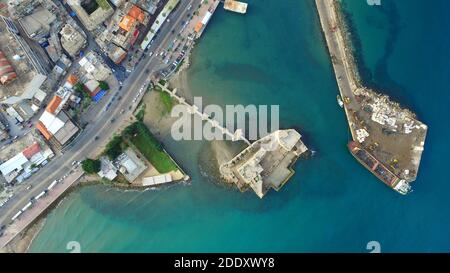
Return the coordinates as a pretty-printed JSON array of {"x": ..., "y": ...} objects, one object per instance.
[
  {"x": 150, "y": 147},
  {"x": 103, "y": 4},
  {"x": 141, "y": 112},
  {"x": 167, "y": 101}
]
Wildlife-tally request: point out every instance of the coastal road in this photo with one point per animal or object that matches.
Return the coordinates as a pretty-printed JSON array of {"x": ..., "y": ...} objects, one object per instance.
[{"x": 85, "y": 144}]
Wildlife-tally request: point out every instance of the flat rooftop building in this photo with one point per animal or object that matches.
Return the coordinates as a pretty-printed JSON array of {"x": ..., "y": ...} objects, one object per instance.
[
  {"x": 94, "y": 67},
  {"x": 130, "y": 165},
  {"x": 107, "y": 169},
  {"x": 116, "y": 53},
  {"x": 72, "y": 40},
  {"x": 37, "y": 24},
  {"x": 91, "y": 12}
]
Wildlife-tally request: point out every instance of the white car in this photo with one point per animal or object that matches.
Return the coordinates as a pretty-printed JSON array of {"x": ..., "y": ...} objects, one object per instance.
[{"x": 151, "y": 53}]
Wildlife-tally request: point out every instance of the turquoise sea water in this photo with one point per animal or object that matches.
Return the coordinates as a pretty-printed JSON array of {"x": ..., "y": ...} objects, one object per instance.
[{"x": 275, "y": 55}]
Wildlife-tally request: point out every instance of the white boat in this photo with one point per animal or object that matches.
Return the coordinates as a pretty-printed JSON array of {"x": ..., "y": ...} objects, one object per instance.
[{"x": 340, "y": 102}]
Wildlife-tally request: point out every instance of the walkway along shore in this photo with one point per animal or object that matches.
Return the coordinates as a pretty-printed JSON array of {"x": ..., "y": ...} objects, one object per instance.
[{"x": 39, "y": 207}]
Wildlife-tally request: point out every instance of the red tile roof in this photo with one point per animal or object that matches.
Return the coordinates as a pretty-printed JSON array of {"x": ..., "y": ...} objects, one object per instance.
[
  {"x": 53, "y": 105},
  {"x": 72, "y": 79},
  {"x": 137, "y": 14},
  {"x": 127, "y": 22},
  {"x": 32, "y": 150}
]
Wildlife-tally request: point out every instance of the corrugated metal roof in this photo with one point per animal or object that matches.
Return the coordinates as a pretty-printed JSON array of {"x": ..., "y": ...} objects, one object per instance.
[
  {"x": 7, "y": 73},
  {"x": 51, "y": 122},
  {"x": 33, "y": 86},
  {"x": 40, "y": 95},
  {"x": 14, "y": 163},
  {"x": 205, "y": 19},
  {"x": 157, "y": 179}
]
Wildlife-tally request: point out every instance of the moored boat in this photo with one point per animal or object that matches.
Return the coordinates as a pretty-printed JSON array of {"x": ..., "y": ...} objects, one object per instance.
[
  {"x": 340, "y": 102},
  {"x": 378, "y": 169}
]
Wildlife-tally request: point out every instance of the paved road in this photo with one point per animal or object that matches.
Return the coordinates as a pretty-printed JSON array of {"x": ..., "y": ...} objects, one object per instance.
[
  {"x": 338, "y": 51},
  {"x": 85, "y": 144}
]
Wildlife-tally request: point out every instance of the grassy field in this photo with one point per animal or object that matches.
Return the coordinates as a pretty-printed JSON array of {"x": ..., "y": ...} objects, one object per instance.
[
  {"x": 150, "y": 147},
  {"x": 167, "y": 101},
  {"x": 141, "y": 112},
  {"x": 103, "y": 4}
]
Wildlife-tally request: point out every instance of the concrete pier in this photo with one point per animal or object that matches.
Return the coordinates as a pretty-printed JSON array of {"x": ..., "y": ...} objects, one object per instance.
[
  {"x": 192, "y": 109},
  {"x": 389, "y": 133}
]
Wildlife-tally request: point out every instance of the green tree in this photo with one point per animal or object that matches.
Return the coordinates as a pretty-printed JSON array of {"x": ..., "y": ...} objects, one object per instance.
[
  {"x": 91, "y": 165},
  {"x": 114, "y": 148},
  {"x": 129, "y": 131},
  {"x": 103, "y": 85},
  {"x": 86, "y": 102},
  {"x": 79, "y": 88}
]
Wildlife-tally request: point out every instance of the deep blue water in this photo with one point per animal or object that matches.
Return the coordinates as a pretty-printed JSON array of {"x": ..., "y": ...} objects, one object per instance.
[{"x": 276, "y": 55}]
